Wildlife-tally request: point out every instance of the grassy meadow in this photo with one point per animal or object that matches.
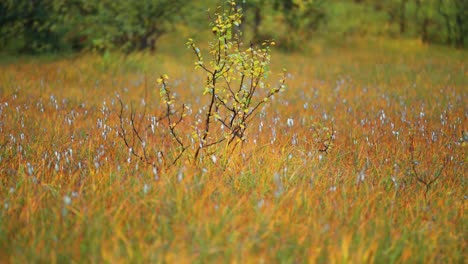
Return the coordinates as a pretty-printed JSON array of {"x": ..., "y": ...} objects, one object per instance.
[{"x": 360, "y": 160}]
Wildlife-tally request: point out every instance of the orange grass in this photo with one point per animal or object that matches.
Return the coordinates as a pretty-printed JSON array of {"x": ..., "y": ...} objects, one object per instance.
[{"x": 69, "y": 193}]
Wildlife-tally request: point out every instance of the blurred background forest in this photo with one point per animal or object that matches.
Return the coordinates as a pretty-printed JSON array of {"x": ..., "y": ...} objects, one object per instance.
[{"x": 61, "y": 26}]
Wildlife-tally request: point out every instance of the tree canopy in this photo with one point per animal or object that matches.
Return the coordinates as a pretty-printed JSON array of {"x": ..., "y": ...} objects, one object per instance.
[{"x": 37, "y": 26}]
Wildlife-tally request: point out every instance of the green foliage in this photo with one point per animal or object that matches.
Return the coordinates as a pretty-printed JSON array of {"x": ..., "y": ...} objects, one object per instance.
[
  {"x": 235, "y": 80},
  {"x": 30, "y": 26},
  {"x": 128, "y": 25},
  {"x": 434, "y": 21},
  {"x": 291, "y": 22},
  {"x": 361, "y": 20},
  {"x": 302, "y": 18},
  {"x": 44, "y": 26},
  {"x": 50, "y": 25},
  {"x": 454, "y": 14}
]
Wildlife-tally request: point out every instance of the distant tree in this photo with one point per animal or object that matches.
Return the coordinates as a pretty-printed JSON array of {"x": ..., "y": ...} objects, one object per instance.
[
  {"x": 300, "y": 18},
  {"x": 461, "y": 19},
  {"x": 302, "y": 14},
  {"x": 255, "y": 9},
  {"x": 30, "y": 26},
  {"x": 455, "y": 16},
  {"x": 402, "y": 16},
  {"x": 129, "y": 25},
  {"x": 396, "y": 11},
  {"x": 303, "y": 17},
  {"x": 424, "y": 15},
  {"x": 442, "y": 21},
  {"x": 48, "y": 25}
]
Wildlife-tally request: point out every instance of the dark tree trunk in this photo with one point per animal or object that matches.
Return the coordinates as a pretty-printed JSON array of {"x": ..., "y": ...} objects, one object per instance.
[
  {"x": 460, "y": 40},
  {"x": 402, "y": 17},
  {"x": 257, "y": 22},
  {"x": 425, "y": 30},
  {"x": 423, "y": 22},
  {"x": 461, "y": 20}
]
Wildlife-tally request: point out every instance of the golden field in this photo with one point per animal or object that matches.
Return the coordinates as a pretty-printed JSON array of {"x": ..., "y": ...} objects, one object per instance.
[{"x": 361, "y": 159}]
